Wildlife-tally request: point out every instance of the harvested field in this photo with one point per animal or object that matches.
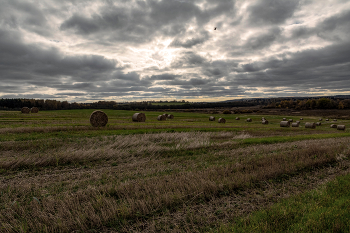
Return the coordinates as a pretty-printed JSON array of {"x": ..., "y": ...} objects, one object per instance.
[{"x": 184, "y": 175}]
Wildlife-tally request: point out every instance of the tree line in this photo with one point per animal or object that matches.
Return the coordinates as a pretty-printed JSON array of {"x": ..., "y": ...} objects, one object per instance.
[{"x": 298, "y": 104}]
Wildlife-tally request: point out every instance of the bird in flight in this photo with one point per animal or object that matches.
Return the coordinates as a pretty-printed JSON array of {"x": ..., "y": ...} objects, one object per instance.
[{"x": 215, "y": 28}]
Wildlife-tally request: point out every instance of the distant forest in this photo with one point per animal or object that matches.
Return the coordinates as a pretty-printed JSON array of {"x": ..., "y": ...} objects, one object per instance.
[{"x": 298, "y": 104}]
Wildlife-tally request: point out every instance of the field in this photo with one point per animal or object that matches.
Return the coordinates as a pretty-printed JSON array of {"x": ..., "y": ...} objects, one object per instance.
[{"x": 189, "y": 174}]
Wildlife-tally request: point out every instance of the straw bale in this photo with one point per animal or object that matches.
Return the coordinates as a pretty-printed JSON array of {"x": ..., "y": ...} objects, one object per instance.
[
  {"x": 295, "y": 124},
  {"x": 290, "y": 120},
  {"x": 327, "y": 119},
  {"x": 211, "y": 118},
  {"x": 170, "y": 116},
  {"x": 139, "y": 117},
  {"x": 165, "y": 114},
  {"x": 284, "y": 119},
  {"x": 98, "y": 119},
  {"x": 222, "y": 120},
  {"x": 161, "y": 118},
  {"x": 34, "y": 110},
  {"x": 249, "y": 120},
  {"x": 284, "y": 124},
  {"x": 265, "y": 122},
  {"x": 318, "y": 123},
  {"x": 341, "y": 127},
  {"x": 301, "y": 119},
  {"x": 333, "y": 126},
  {"x": 237, "y": 118},
  {"x": 334, "y": 119},
  {"x": 25, "y": 110},
  {"x": 320, "y": 119},
  {"x": 310, "y": 125}
]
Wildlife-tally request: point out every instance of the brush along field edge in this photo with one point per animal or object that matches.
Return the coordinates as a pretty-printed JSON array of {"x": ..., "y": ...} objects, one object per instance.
[{"x": 117, "y": 201}]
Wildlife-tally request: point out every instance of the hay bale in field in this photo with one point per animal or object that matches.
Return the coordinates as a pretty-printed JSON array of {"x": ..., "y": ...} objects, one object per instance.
[
  {"x": 333, "y": 126},
  {"x": 265, "y": 122},
  {"x": 211, "y": 118},
  {"x": 334, "y": 119},
  {"x": 170, "y": 116},
  {"x": 310, "y": 125},
  {"x": 295, "y": 124},
  {"x": 327, "y": 119},
  {"x": 263, "y": 118},
  {"x": 161, "y": 118},
  {"x": 320, "y": 119},
  {"x": 222, "y": 120},
  {"x": 25, "y": 110},
  {"x": 139, "y": 117},
  {"x": 284, "y": 124},
  {"x": 341, "y": 127},
  {"x": 237, "y": 118},
  {"x": 249, "y": 120},
  {"x": 284, "y": 119},
  {"x": 34, "y": 110},
  {"x": 165, "y": 114},
  {"x": 318, "y": 123},
  {"x": 98, "y": 119},
  {"x": 301, "y": 119},
  {"x": 290, "y": 120}
]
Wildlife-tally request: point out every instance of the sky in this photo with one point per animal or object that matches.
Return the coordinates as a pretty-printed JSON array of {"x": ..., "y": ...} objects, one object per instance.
[{"x": 139, "y": 50}]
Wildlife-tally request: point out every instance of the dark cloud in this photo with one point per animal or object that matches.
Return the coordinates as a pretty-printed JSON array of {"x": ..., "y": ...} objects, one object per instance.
[
  {"x": 273, "y": 12},
  {"x": 94, "y": 49}
]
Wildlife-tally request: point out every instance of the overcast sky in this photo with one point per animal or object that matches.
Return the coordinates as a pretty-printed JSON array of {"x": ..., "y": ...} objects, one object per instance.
[{"x": 122, "y": 50}]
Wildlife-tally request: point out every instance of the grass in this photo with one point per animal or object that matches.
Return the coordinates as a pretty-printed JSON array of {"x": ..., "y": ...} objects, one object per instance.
[
  {"x": 57, "y": 173},
  {"x": 322, "y": 210}
]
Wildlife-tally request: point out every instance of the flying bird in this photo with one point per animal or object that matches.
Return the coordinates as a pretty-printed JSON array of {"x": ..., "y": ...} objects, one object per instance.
[{"x": 215, "y": 28}]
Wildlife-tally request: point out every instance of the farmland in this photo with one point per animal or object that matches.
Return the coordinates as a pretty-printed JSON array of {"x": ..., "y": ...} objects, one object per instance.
[{"x": 188, "y": 174}]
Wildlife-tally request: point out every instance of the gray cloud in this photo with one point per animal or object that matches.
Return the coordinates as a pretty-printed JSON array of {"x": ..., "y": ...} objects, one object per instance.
[
  {"x": 271, "y": 11},
  {"x": 127, "y": 50}
]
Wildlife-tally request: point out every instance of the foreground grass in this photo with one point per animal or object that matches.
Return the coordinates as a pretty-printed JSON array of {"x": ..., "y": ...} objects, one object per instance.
[
  {"x": 58, "y": 174},
  {"x": 326, "y": 209}
]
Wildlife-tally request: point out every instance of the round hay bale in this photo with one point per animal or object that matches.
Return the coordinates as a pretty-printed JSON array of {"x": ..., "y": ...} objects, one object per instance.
[
  {"x": 25, "y": 110},
  {"x": 139, "y": 117},
  {"x": 301, "y": 119},
  {"x": 161, "y": 118},
  {"x": 249, "y": 120},
  {"x": 333, "y": 126},
  {"x": 284, "y": 119},
  {"x": 98, "y": 119},
  {"x": 290, "y": 120},
  {"x": 170, "y": 116},
  {"x": 165, "y": 114},
  {"x": 320, "y": 119},
  {"x": 334, "y": 119},
  {"x": 34, "y": 110},
  {"x": 341, "y": 127},
  {"x": 263, "y": 118},
  {"x": 295, "y": 124},
  {"x": 327, "y": 119},
  {"x": 318, "y": 123},
  {"x": 211, "y": 118},
  {"x": 265, "y": 122},
  {"x": 222, "y": 120},
  {"x": 237, "y": 118},
  {"x": 310, "y": 125},
  {"x": 284, "y": 124}
]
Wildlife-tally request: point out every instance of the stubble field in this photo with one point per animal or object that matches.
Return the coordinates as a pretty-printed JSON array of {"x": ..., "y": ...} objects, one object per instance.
[{"x": 189, "y": 174}]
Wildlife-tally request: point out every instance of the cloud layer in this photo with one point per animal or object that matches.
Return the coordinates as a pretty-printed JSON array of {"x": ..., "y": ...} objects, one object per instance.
[{"x": 168, "y": 49}]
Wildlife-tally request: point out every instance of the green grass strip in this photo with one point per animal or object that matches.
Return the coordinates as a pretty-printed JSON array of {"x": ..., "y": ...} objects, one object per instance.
[
  {"x": 323, "y": 210},
  {"x": 279, "y": 139}
]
